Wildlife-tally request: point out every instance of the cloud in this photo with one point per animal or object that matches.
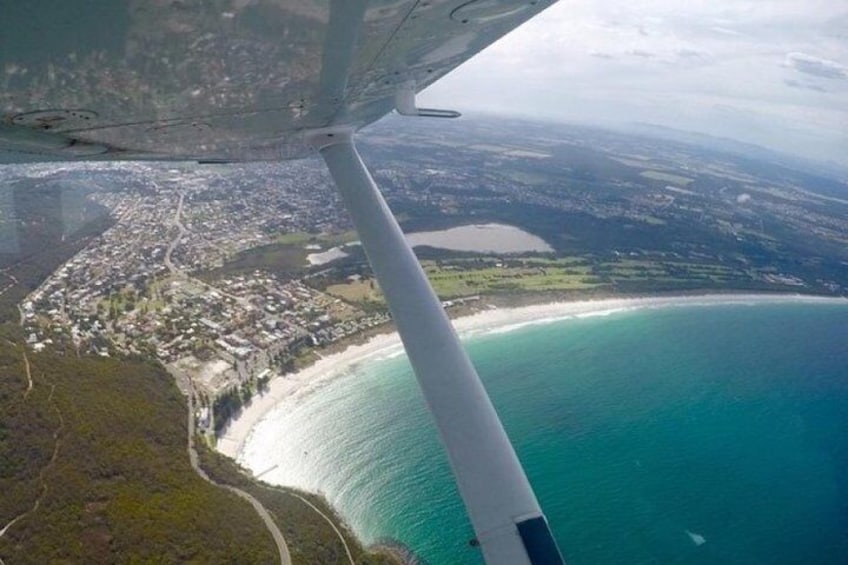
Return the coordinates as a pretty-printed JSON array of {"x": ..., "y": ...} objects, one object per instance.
[
  {"x": 770, "y": 72},
  {"x": 836, "y": 27},
  {"x": 804, "y": 86},
  {"x": 687, "y": 53},
  {"x": 641, "y": 53},
  {"x": 725, "y": 31},
  {"x": 808, "y": 64},
  {"x": 600, "y": 55},
  {"x": 743, "y": 198}
]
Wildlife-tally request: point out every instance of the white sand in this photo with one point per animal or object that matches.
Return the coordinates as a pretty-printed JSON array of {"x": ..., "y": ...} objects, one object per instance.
[
  {"x": 325, "y": 369},
  {"x": 495, "y": 320}
]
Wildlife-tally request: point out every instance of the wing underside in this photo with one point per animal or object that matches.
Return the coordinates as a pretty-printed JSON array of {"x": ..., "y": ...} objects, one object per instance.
[{"x": 226, "y": 81}]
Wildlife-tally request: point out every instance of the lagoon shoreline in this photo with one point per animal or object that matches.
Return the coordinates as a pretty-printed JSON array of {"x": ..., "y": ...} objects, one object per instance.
[{"x": 487, "y": 318}]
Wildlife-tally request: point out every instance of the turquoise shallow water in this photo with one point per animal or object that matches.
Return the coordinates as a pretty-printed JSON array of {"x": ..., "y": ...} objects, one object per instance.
[{"x": 643, "y": 432}]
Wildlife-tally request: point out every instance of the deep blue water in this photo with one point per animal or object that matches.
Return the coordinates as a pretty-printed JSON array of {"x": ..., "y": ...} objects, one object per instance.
[{"x": 636, "y": 429}]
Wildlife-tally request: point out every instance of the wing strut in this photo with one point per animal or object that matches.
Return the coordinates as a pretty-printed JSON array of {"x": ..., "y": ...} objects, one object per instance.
[{"x": 507, "y": 520}]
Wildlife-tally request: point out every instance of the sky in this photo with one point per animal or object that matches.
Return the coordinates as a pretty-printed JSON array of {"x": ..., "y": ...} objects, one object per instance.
[{"x": 769, "y": 72}]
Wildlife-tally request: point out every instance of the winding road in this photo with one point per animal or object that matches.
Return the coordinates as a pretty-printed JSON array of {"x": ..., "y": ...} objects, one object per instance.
[
  {"x": 327, "y": 518},
  {"x": 279, "y": 540},
  {"x": 176, "y": 241},
  {"x": 188, "y": 389},
  {"x": 28, "y": 374}
]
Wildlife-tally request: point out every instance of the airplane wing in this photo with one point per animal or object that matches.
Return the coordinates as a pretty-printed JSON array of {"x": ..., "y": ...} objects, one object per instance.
[
  {"x": 235, "y": 80},
  {"x": 226, "y": 80}
]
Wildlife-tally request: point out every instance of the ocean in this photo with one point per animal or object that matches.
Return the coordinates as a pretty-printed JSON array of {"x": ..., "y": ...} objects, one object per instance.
[{"x": 686, "y": 434}]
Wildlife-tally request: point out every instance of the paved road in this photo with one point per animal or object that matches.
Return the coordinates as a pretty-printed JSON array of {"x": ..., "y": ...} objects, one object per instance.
[
  {"x": 338, "y": 533},
  {"x": 279, "y": 540},
  {"x": 28, "y": 373},
  {"x": 176, "y": 241},
  {"x": 173, "y": 245},
  {"x": 282, "y": 547}
]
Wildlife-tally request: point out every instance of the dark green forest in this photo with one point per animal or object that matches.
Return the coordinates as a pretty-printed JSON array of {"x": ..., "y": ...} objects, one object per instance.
[{"x": 93, "y": 457}]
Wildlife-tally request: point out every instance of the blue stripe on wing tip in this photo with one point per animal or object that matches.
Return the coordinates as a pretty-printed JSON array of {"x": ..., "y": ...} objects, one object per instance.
[{"x": 539, "y": 542}]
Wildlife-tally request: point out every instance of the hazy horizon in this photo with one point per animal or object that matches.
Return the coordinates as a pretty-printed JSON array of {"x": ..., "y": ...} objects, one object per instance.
[{"x": 770, "y": 73}]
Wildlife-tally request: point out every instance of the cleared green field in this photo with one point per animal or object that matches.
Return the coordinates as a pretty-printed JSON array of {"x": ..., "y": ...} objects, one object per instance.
[
  {"x": 666, "y": 177},
  {"x": 334, "y": 239},
  {"x": 635, "y": 162},
  {"x": 459, "y": 277},
  {"x": 667, "y": 273},
  {"x": 465, "y": 278},
  {"x": 326, "y": 239},
  {"x": 293, "y": 238},
  {"x": 365, "y": 290},
  {"x": 451, "y": 283}
]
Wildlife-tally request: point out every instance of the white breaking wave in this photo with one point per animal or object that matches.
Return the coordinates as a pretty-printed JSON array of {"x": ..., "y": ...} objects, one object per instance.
[
  {"x": 494, "y": 321},
  {"x": 697, "y": 539}
]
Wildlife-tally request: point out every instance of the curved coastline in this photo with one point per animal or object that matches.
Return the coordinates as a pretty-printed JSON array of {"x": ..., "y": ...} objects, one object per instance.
[{"x": 311, "y": 379}]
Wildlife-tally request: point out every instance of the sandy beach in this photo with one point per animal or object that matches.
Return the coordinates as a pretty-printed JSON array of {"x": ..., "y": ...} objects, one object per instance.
[{"x": 336, "y": 365}]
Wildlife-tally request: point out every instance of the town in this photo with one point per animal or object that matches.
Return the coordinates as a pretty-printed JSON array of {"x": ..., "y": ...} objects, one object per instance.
[
  {"x": 232, "y": 274},
  {"x": 131, "y": 290}
]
